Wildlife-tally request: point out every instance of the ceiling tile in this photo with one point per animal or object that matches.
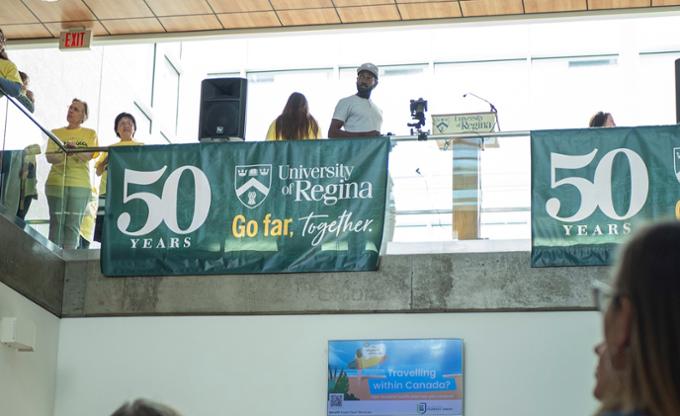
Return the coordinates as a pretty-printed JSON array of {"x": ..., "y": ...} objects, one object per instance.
[
  {"x": 61, "y": 11},
  {"x": 491, "y": 7},
  {"x": 349, "y": 3},
  {"x": 191, "y": 23},
  {"x": 616, "y": 4},
  {"x": 179, "y": 8},
  {"x": 308, "y": 17},
  {"x": 368, "y": 14},
  {"x": 29, "y": 31},
  {"x": 300, "y": 4},
  {"x": 119, "y": 9},
  {"x": 548, "y": 6},
  {"x": 432, "y": 10},
  {"x": 246, "y": 20},
  {"x": 96, "y": 27},
  {"x": 133, "y": 26},
  {"x": 14, "y": 11},
  {"x": 665, "y": 2},
  {"x": 237, "y": 6}
]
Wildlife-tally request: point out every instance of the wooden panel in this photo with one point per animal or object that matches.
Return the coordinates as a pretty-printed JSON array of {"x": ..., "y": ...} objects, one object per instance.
[
  {"x": 491, "y": 7},
  {"x": 549, "y": 6},
  {"x": 665, "y": 3},
  {"x": 97, "y": 28},
  {"x": 14, "y": 11},
  {"x": 179, "y": 8},
  {"x": 350, "y": 3},
  {"x": 190, "y": 23},
  {"x": 437, "y": 10},
  {"x": 133, "y": 26},
  {"x": 368, "y": 14},
  {"x": 25, "y": 31},
  {"x": 616, "y": 4},
  {"x": 300, "y": 4},
  {"x": 119, "y": 9},
  {"x": 246, "y": 20},
  {"x": 237, "y": 6},
  {"x": 308, "y": 17},
  {"x": 61, "y": 11}
]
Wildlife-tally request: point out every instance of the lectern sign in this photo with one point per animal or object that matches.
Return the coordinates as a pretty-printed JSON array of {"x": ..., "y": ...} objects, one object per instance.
[
  {"x": 263, "y": 207},
  {"x": 591, "y": 188}
]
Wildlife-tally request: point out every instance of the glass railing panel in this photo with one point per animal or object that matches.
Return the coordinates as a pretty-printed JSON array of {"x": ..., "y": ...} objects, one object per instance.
[
  {"x": 26, "y": 175},
  {"x": 506, "y": 189},
  {"x": 426, "y": 198}
]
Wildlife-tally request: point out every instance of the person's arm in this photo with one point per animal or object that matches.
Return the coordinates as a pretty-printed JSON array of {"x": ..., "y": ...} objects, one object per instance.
[
  {"x": 335, "y": 131},
  {"x": 102, "y": 164},
  {"x": 11, "y": 88},
  {"x": 26, "y": 102}
]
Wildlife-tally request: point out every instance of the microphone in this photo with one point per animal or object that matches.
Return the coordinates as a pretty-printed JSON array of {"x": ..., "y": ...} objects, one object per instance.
[{"x": 493, "y": 107}]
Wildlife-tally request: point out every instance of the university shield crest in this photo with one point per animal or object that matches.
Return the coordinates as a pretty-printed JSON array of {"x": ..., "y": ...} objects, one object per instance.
[{"x": 252, "y": 184}]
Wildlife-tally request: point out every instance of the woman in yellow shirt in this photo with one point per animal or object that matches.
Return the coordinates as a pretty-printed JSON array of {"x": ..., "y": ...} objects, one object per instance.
[
  {"x": 295, "y": 123},
  {"x": 125, "y": 127},
  {"x": 10, "y": 81},
  {"x": 68, "y": 183}
]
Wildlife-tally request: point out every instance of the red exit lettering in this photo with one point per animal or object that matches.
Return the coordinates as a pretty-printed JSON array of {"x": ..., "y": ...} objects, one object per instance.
[{"x": 74, "y": 40}]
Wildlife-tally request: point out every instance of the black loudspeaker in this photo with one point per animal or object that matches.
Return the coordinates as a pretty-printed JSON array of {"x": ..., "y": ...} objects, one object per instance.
[{"x": 223, "y": 108}]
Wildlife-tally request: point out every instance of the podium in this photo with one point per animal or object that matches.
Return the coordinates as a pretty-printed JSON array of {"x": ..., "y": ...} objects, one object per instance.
[{"x": 466, "y": 173}]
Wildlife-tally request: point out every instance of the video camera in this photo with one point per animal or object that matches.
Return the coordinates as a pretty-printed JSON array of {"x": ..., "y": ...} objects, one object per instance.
[{"x": 418, "y": 109}]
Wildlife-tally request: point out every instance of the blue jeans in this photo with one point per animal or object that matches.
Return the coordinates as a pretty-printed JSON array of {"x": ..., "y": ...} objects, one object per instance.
[
  {"x": 10, "y": 88},
  {"x": 66, "y": 214}
]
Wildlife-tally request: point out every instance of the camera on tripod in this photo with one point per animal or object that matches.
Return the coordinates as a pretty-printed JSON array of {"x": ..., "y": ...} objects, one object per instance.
[{"x": 418, "y": 109}]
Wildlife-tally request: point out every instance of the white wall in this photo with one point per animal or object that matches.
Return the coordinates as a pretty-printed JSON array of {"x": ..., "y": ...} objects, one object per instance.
[
  {"x": 27, "y": 379},
  {"x": 515, "y": 363}
]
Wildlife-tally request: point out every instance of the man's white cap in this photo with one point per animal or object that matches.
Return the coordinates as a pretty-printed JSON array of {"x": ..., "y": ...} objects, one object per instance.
[{"x": 370, "y": 68}]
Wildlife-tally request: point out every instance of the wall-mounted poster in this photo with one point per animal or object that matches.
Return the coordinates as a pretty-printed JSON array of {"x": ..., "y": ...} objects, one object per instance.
[{"x": 398, "y": 377}]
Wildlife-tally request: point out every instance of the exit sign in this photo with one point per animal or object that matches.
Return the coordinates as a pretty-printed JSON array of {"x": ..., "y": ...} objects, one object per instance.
[{"x": 75, "y": 39}]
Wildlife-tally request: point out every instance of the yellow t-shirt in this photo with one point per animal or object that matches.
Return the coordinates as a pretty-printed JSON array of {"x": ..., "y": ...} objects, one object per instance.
[
  {"x": 271, "y": 133},
  {"x": 71, "y": 171},
  {"x": 105, "y": 157},
  {"x": 9, "y": 71}
]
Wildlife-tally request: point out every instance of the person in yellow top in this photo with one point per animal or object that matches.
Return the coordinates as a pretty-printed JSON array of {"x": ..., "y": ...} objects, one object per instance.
[
  {"x": 68, "y": 183},
  {"x": 295, "y": 122},
  {"x": 125, "y": 127},
  {"x": 10, "y": 81}
]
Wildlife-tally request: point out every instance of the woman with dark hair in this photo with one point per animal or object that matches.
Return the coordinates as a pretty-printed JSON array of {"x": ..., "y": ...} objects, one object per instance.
[
  {"x": 602, "y": 119},
  {"x": 10, "y": 81},
  {"x": 295, "y": 123},
  {"x": 642, "y": 325},
  {"x": 125, "y": 127}
]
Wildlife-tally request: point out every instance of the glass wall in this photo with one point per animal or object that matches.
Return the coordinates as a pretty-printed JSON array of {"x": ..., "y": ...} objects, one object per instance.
[{"x": 541, "y": 74}]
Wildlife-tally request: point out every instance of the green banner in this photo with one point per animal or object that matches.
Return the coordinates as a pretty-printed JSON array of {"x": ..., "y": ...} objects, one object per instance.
[
  {"x": 262, "y": 207},
  {"x": 591, "y": 188}
]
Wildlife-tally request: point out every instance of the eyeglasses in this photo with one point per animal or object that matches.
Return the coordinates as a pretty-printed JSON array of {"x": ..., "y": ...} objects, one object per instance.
[{"x": 603, "y": 295}]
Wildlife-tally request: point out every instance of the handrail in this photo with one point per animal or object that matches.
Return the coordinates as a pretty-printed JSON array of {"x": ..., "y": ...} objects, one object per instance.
[
  {"x": 471, "y": 135},
  {"x": 49, "y": 134}
]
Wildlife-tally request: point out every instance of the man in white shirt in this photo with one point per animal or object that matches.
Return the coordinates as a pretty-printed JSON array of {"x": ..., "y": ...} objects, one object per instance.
[{"x": 357, "y": 115}]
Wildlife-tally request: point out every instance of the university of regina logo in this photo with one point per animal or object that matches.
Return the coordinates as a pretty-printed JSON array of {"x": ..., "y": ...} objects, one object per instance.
[{"x": 252, "y": 183}]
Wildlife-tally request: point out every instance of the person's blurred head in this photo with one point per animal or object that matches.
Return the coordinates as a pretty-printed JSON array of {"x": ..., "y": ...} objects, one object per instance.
[
  {"x": 642, "y": 321},
  {"x": 3, "y": 43},
  {"x": 143, "y": 407},
  {"x": 25, "y": 79},
  {"x": 367, "y": 79},
  {"x": 77, "y": 112},
  {"x": 602, "y": 119},
  {"x": 125, "y": 126},
  {"x": 296, "y": 105}
]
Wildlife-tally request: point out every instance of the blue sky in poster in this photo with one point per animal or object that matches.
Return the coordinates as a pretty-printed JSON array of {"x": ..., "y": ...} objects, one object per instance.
[{"x": 426, "y": 360}]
